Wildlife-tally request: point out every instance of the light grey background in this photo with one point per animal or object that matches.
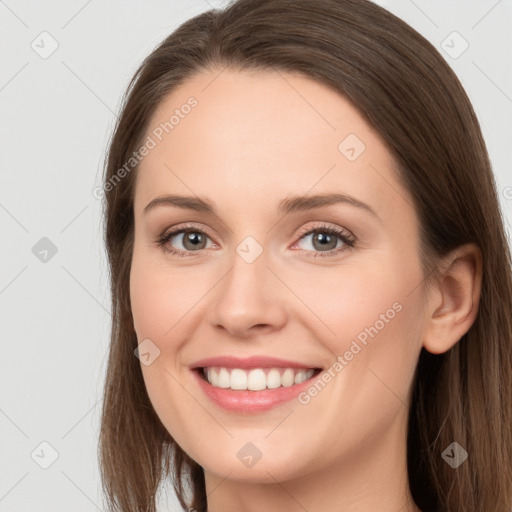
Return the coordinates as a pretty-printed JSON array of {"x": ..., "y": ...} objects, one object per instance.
[{"x": 56, "y": 116}]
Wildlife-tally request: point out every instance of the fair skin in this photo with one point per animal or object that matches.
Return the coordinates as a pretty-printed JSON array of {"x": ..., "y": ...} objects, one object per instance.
[{"x": 251, "y": 141}]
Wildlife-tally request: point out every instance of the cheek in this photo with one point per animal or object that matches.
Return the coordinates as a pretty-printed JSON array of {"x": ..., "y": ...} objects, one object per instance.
[
  {"x": 375, "y": 345},
  {"x": 370, "y": 315},
  {"x": 160, "y": 299},
  {"x": 347, "y": 301},
  {"x": 161, "y": 296}
]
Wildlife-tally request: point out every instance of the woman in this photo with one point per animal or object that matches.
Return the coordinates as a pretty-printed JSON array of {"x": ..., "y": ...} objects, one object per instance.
[{"x": 305, "y": 241}]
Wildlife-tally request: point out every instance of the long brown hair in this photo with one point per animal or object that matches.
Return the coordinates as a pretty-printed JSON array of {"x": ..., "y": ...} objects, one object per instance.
[{"x": 405, "y": 89}]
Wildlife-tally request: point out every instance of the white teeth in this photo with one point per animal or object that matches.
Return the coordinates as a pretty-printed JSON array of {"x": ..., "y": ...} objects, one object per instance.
[
  {"x": 300, "y": 377},
  {"x": 238, "y": 379},
  {"x": 255, "y": 379},
  {"x": 288, "y": 378},
  {"x": 224, "y": 380},
  {"x": 273, "y": 379}
]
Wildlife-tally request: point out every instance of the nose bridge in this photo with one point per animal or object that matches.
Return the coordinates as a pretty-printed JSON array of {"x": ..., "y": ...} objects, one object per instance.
[
  {"x": 244, "y": 285},
  {"x": 246, "y": 295}
]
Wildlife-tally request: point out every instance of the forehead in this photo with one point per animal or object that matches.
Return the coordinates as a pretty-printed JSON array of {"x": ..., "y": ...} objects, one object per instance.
[{"x": 258, "y": 136}]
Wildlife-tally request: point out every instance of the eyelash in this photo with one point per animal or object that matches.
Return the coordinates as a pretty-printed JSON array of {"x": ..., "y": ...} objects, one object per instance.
[{"x": 348, "y": 240}]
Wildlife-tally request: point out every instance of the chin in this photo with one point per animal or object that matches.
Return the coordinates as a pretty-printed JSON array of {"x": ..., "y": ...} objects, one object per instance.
[{"x": 266, "y": 470}]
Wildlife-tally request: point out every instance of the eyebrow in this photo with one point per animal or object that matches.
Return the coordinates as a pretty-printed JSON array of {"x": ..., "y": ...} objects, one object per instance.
[{"x": 285, "y": 206}]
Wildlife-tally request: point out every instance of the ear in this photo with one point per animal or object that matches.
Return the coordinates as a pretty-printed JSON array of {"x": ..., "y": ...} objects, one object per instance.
[{"x": 453, "y": 302}]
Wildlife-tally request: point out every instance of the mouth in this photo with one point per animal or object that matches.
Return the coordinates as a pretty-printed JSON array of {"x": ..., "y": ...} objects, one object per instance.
[
  {"x": 254, "y": 384},
  {"x": 255, "y": 379}
]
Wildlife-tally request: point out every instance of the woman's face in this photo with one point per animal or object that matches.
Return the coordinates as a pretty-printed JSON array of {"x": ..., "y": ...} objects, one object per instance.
[{"x": 254, "y": 280}]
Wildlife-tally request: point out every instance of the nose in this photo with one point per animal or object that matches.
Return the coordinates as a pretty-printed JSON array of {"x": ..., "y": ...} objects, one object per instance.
[{"x": 249, "y": 299}]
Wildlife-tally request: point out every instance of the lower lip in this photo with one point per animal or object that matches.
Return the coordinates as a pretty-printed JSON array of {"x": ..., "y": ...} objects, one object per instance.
[{"x": 245, "y": 401}]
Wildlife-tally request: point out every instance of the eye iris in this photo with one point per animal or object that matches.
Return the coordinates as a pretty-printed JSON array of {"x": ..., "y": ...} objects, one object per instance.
[
  {"x": 193, "y": 237},
  {"x": 324, "y": 240}
]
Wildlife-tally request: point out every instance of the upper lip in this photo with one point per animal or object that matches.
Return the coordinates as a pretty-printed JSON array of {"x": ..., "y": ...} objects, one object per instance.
[{"x": 249, "y": 362}]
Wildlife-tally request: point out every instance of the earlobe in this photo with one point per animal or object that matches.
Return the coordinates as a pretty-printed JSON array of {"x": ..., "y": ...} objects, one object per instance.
[{"x": 453, "y": 308}]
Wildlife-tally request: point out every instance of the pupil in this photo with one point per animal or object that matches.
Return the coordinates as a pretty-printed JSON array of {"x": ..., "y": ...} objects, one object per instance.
[
  {"x": 193, "y": 238},
  {"x": 325, "y": 239}
]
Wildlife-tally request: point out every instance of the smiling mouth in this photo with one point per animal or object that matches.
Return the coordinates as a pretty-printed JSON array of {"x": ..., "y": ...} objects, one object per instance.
[{"x": 255, "y": 379}]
